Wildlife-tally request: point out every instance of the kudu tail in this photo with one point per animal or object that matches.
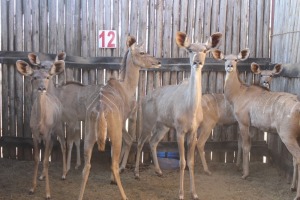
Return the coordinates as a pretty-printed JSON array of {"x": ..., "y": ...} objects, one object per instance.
[{"x": 101, "y": 132}]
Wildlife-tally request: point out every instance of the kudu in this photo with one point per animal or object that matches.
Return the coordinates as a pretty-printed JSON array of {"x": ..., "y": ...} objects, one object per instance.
[
  {"x": 179, "y": 107},
  {"x": 45, "y": 119},
  {"x": 106, "y": 117},
  {"x": 260, "y": 108},
  {"x": 217, "y": 111}
]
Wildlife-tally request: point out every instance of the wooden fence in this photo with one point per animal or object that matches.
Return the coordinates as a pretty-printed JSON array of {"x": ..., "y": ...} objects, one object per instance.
[{"x": 50, "y": 26}]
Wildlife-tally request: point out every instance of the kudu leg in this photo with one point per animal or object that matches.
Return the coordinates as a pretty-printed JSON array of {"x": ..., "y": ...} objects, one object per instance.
[
  {"x": 203, "y": 133},
  {"x": 246, "y": 142},
  {"x": 43, "y": 174},
  {"x": 142, "y": 139},
  {"x": 88, "y": 148},
  {"x": 77, "y": 144},
  {"x": 48, "y": 147},
  {"x": 160, "y": 132},
  {"x": 127, "y": 142},
  {"x": 293, "y": 147},
  {"x": 239, "y": 153},
  {"x": 295, "y": 175},
  {"x": 36, "y": 165},
  {"x": 182, "y": 162},
  {"x": 191, "y": 144},
  {"x": 116, "y": 150},
  {"x": 63, "y": 151}
]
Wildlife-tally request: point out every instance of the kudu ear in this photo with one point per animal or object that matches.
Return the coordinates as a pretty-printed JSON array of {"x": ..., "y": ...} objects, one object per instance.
[
  {"x": 214, "y": 40},
  {"x": 130, "y": 41},
  {"x": 34, "y": 59},
  {"x": 24, "y": 68},
  {"x": 255, "y": 68},
  {"x": 182, "y": 40},
  {"x": 277, "y": 69},
  {"x": 57, "y": 67},
  {"x": 244, "y": 54},
  {"x": 217, "y": 54},
  {"x": 60, "y": 56}
]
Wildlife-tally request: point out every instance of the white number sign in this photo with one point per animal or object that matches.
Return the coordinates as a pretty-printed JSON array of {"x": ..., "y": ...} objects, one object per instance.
[{"x": 107, "y": 39}]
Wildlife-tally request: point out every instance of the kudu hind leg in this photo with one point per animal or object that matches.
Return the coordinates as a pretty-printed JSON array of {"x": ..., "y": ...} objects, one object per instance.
[
  {"x": 126, "y": 146},
  {"x": 191, "y": 144},
  {"x": 141, "y": 141},
  {"x": 204, "y": 132},
  {"x": 158, "y": 134},
  {"x": 295, "y": 176}
]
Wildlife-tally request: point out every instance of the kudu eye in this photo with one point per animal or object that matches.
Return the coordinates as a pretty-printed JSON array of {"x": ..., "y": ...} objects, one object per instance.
[{"x": 142, "y": 53}]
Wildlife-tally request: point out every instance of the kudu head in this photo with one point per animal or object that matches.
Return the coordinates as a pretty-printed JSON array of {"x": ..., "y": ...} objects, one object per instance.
[
  {"x": 42, "y": 72},
  {"x": 231, "y": 60},
  {"x": 266, "y": 75},
  {"x": 139, "y": 56},
  {"x": 197, "y": 51}
]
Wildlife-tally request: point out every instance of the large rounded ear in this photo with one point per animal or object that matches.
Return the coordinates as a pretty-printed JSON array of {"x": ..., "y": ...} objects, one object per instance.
[
  {"x": 214, "y": 40},
  {"x": 244, "y": 54},
  {"x": 130, "y": 41},
  {"x": 182, "y": 40},
  {"x": 217, "y": 54},
  {"x": 34, "y": 59},
  {"x": 24, "y": 68},
  {"x": 255, "y": 68},
  {"x": 57, "y": 67},
  {"x": 60, "y": 56},
  {"x": 277, "y": 69}
]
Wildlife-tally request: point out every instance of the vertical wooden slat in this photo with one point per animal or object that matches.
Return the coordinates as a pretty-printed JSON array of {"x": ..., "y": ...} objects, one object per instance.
[
  {"x": 215, "y": 16},
  {"x": 18, "y": 78},
  {"x": 199, "y": 21},
  {"x": 207, "y": 20},
  {"x": 229, "y": 30},
  {"x": 167, "y": 30},
  {"x": 43, "y": 21},
  {"x": 252, "y": 27},
  {"x": 183, "y": 23},
  {"x": 222, "y": 25},
  {"x": 159, "y": 28},
  {"x": 244, "y": 25},
  {"x": 191, "y": 20},
  {"x": 176, "y": 27},
  {"x": 124, "y": 26},
  {"x": 266, "y": 29},
  {"x": 236, "y": 26},
  {"x": 115, "y": 25},
  {"x": 133, "y": 18},
  {"x": 52, "y": 27},
  {"x": 142, "y": 23},
  {"x": 259, "y": 29}
]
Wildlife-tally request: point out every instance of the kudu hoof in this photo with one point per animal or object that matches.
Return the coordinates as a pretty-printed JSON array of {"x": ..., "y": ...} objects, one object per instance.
[
  {"x": 31, "y": 192},
  {"x": 48, "y": 198},
  {"x": 293, "y": 189},
  {"x": 63, "y": 177},
  {"x": 113, "y": 182},
  {"x": 244, "y": 177},
  {"x": 195, "y": 196},
  {"x": 41, "y": 178},
  {"x": 121, "y": 170},
  {"x": 159, "y": 174},
  {"x": 137, "y": 177},
  {"x": 208, "y": 173}
]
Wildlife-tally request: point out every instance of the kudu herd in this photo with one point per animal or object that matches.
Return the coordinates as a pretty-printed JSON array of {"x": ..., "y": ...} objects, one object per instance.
[{"x": 105, "y": 108}]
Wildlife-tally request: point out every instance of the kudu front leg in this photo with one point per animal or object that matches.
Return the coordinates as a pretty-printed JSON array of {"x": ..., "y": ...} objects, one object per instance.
[
  {"x": 36, "y": 165},
  {"x": 182, "y": 163},
  {"x": 246, "y": 142},
  {"x": 295, "y": 176}
]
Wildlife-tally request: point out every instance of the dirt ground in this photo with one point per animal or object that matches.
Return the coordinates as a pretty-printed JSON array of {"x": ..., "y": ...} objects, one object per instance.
[{"x": 265, "y": 183}]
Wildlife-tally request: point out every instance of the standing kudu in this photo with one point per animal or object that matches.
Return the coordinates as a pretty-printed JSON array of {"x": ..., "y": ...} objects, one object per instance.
[
  {"x": 179, "y": 107},
  {"x": 45, "y": 120},
  {"x": 106, "y": 116},
  {"x": 217, "y": 111},
  {"x": 258, "y": 107}
]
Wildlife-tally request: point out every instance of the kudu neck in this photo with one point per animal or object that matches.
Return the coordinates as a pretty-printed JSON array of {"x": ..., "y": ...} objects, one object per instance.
[
  {"x": 131, "y": 78},
  {"x": 194, "y": 91},
  {"x": 233, "y": 85}
]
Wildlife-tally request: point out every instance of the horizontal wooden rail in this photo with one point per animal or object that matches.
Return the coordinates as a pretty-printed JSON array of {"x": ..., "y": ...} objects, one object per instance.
[{"x": 113, "y": 63}]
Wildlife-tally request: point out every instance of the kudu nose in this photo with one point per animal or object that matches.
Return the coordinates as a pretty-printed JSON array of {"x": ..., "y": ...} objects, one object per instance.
[{"x": 42, "y": 88}]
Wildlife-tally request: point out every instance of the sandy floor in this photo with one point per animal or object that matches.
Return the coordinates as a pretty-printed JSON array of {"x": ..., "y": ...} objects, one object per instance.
[{"x": 265, "y": 183}]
